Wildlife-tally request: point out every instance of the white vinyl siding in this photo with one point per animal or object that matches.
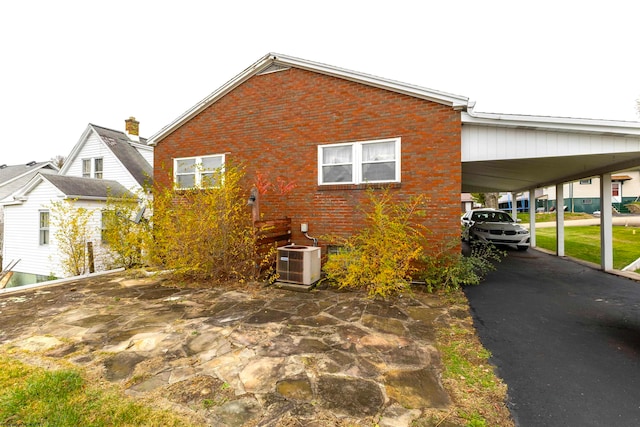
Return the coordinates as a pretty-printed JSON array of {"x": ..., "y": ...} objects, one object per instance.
[
  {"x": 112, "y": 168},
  {"x": 196, "y": 172},
  {"x": 359, "y": 162},
  {"x": 22, "y": 238}
]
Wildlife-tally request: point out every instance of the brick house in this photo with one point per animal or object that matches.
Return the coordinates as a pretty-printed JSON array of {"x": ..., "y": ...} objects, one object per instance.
[{"x": 329, "y": 133}]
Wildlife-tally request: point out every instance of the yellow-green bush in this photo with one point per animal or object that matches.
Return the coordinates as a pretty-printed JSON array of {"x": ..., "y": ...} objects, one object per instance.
[
  {"x": 125, "y": 233},
  {"x": 72, "y": 232},
  {"x": 207, "y": 233},
  {"x": 380, "y": 257}
]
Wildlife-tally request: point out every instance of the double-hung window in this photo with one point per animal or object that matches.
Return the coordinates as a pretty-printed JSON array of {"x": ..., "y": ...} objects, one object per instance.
[
  {"x": 97, "y": 168},
  {"x": 197, "y": 172},
  {"x": 359, "y": 162},
  {"x": 86, "y": 168},
  {"x": 44, "y": 227}
]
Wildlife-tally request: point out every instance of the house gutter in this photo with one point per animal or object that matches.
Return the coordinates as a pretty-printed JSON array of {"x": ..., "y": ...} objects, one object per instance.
[{"x": 591, "y": 126}]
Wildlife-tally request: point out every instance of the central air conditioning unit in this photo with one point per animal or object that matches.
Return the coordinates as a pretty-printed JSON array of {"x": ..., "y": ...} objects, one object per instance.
[{"x": 298, "y": 264}]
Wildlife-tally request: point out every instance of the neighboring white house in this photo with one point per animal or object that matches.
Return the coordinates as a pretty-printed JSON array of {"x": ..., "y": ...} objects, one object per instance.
[
  {"x": 13, "y": 177},
  {"x": 31, "y": 234},
  {"x": 103, "y": 163},
  {"x": 582, "y": 195}
]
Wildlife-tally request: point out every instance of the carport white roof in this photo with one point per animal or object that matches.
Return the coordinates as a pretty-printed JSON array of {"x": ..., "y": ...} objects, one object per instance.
[{"x": 502, "y": 152}]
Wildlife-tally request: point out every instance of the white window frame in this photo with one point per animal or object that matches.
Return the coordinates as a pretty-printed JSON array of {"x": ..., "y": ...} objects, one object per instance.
[
  {"x": 44, "y": 230},
  {"x": 357, "y": 162},
  {"x": 98, "y": 173},
  {"x": 86, "y": 171},
  {"x": 197, "y": 170}
]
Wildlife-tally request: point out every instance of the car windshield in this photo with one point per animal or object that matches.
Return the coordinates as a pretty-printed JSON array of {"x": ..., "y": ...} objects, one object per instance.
[{"x": 492, "y": 217}]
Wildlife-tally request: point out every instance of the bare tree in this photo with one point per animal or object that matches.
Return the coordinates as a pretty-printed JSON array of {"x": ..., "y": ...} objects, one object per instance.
[
  {"x": 491, "y": 200},
  {"x": 58, "y": 160}
]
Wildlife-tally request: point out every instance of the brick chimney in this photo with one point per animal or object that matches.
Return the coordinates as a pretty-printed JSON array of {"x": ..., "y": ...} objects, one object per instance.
[{"x": 132, "y": 126}]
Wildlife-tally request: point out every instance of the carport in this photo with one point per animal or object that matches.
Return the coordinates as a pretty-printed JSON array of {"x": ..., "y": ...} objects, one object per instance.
[{"x": 514, "y": 153}]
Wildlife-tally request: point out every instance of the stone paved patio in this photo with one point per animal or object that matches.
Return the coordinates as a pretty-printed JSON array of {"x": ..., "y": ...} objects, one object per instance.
[{"x": 244, "y": 356}]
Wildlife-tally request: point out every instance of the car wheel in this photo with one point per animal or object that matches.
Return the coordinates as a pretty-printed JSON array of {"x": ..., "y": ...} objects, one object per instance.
[{"x": 523, "y": 248}]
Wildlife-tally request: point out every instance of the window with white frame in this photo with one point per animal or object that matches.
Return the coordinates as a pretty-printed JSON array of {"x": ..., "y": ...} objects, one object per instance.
[
  {"x": 97, "y": 168},
  {"x": 359, "y": 162},
  {"x": 615, "y": 189},
  {"x": 95, "y": 172},
  {"x": 86, "y": 168},
  {"x": 197, "y": 172},
  {"x": 44, "y": 227}
]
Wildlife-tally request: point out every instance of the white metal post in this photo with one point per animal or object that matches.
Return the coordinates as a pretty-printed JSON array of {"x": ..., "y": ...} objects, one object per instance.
[
  {"x": 560, "y": 219},
  {"x": 532, "y": 216},
  {"x": 606, "y": 223},
  {"x": 514, "y": 205}
]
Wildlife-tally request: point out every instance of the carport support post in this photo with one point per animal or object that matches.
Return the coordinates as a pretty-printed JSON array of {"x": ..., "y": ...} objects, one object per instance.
[
  {"x": 606, "y": 223},
  {"x": 560, "y": 219},
  {"x": 532, "y": 217},
  {"x": 514, "y": 205}
]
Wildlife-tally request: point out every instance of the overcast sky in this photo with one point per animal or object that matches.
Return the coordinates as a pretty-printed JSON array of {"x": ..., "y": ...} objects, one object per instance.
[{"x": 66, "y": 64}]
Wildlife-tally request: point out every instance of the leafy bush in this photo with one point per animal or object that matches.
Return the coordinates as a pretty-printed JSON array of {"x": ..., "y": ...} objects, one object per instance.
[
  {"x": 380, "y": 257},
  {"x": 207, "y": 233},
  {"x": 449, "y": 270},
  {"x": 125, "y": 232},
  {"x": 72, "y": 231},
  {"x": 390, "y": 252}
]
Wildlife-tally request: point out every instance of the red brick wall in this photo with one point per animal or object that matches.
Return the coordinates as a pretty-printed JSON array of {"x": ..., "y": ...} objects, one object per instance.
[{"x": 273, "y": 124}]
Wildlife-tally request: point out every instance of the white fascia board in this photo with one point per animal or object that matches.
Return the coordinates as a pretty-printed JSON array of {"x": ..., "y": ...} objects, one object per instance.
[
  {"x": 593, "y": 126},
  {"x": 258, "y": 66},
  {"x": 29, "y": 186},
  {"x": 139, "y": 146},
  {"x": 76, "y": 149},
  {"x": 455, "y": 101}
]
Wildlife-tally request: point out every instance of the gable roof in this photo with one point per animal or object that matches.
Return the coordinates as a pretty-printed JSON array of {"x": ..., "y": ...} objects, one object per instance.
[
  {"x": 74, "y": 187},
  {"x": 15, "y": 176},
  {"x": 274, "y": 62},
  {"x": 87, "y": 188},
  {"x": 124, "y": 149}
]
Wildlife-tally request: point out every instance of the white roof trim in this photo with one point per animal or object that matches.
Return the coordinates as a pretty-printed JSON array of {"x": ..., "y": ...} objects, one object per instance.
[
  {"x": 76, "y": 149},
  {"x": 558, "y": 124},
  {"x": 454, "y": 101}
]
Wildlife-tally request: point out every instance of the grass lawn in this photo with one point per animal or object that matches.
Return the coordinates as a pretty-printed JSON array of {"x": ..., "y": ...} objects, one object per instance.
[
  {"x": 584, "y": 243},
  {"x": 34, "y": 396},
  {"x": 551, "y": 216}
]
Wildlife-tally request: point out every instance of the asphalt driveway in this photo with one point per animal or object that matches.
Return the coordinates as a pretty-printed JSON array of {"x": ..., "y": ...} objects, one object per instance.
[{"x": 564, "y": 337}]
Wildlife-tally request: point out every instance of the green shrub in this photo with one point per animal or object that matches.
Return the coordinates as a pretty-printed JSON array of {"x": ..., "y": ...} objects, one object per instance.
[
  {"x": 380, "y": 257},
  {"x": 449, "y": 270}
]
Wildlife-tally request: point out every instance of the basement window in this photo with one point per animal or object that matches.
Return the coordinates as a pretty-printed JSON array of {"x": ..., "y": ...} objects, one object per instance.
[
  {"x": 359, "y": 162},
  {"x": 197, "y": 172}
]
